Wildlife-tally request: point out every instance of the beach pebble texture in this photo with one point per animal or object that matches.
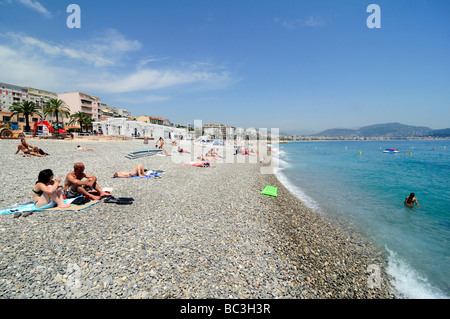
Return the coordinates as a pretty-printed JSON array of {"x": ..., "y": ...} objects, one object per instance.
[{"x": 193, "y": 233}]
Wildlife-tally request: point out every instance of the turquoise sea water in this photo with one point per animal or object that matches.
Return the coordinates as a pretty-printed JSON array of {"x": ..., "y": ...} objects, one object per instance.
[{"x": 359, "y": 185}]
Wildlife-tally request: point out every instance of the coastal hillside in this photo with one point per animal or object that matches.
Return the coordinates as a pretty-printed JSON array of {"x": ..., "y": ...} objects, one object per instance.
[{"x": 388, "y": 130}]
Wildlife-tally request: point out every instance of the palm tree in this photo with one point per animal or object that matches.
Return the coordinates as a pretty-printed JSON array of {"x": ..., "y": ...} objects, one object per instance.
[
  {"x": 82, "y": 119},
  {"x": 88, "y": 122},
  {"x": 55, "y": 107},
  {"x": 26, "y": 108}
]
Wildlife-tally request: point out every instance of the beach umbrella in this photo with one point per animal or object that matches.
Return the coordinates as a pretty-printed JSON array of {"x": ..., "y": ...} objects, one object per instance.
[{"x": 143, "y": 152}]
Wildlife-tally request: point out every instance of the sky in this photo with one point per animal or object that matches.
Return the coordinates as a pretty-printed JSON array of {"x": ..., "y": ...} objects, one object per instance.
[{"x": 305, "y": 65}]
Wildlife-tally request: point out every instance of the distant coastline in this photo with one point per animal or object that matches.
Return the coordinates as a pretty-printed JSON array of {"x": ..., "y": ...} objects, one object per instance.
[{"x": 387, "y": 131}]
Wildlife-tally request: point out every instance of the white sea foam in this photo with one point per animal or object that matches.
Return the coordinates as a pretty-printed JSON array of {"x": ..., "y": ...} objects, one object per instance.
[
  {"x": 298, "y": 192},
  {"x": 409, "y": 282}
]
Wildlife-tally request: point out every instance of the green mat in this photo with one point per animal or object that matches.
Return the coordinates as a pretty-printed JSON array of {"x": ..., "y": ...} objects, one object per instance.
[{"x": 270, "y": 191}]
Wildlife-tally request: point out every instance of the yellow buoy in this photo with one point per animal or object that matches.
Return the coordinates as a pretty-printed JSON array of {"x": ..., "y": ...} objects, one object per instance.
[{"x": 410, "y": 153}]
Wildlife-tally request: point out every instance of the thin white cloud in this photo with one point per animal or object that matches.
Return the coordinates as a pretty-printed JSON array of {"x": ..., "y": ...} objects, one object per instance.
[
  {"x": 34, "y": 5},
  {"x": 20, "y": 68},
  {"x": 106, "y": 49},
  {"x": 97, "y": 65},
  {"x": 302, "y": 23},
  {"x": 151, "y": 79}
]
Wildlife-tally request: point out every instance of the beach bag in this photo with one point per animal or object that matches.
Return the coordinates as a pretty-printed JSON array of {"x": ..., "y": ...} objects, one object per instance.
[{"x": 42, "y": 152}]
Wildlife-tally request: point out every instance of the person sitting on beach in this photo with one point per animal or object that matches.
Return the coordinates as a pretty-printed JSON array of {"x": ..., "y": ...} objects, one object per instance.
[
  {"x": 205, "y": 158},
  {"x": 28, "y": 150},
  {"x": 74, "y": 185},
  {"x": 47, "y": 191},
  {"x": 81, "y": 148},
  {"x": 409, "y": 201},
  {"x": 138, "y": 171}
]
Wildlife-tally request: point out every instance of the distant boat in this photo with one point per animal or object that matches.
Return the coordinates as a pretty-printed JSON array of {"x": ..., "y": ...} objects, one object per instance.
[{"x": 391, "y": 150}]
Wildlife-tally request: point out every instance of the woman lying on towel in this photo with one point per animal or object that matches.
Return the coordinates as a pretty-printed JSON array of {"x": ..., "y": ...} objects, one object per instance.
[
  {"x": 48, "y": 192},
  {"x": 137, "y": 171}
]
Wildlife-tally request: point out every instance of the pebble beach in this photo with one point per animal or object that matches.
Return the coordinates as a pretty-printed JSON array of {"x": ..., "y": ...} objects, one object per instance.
[{"x": 194, "y": 233}]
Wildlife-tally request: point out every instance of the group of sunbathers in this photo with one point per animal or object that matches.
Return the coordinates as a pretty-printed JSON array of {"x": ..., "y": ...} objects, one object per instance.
[
  {"x": 211, "y": 155},
  {"x": 77, "y": 183}
]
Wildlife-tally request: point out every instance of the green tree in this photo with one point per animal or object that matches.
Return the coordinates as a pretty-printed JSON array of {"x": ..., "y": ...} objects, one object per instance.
[
  {"x": 56, "y": 107},
  {"x": 26, "y": 108},
  {"x": 78, "y": 117},
  {"x": 83, "y": 119}
]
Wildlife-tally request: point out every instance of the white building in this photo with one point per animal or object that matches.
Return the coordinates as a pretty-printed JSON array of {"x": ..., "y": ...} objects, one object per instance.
[{"x": 127, "y": 128}]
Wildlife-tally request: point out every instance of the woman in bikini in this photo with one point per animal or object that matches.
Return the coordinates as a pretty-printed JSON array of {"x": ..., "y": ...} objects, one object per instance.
[
  {"x": 47, "y": 191},
  {"x": 137, "y": 171},
  {"x": 409, "y": 201}
]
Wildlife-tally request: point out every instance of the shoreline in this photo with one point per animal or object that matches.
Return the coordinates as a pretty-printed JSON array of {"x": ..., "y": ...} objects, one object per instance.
[
  {"x": 334, "y": 261},
  {"x": 194, "y": 233}
]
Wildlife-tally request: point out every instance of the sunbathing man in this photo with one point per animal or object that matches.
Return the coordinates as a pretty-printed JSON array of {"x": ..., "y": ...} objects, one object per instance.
[
  {"x": 27, "y": 149},
  {"x": 81, "y": 148},
  {"x": 74, "y": 185},
  {"x": 137, "y": 171}
]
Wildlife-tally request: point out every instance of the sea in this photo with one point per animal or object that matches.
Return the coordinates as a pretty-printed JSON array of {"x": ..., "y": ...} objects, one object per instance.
[{"x": 358, "y": 185}]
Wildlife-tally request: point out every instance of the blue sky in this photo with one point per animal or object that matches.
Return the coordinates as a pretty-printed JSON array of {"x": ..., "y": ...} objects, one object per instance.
[{"x": 305, "y": 65}]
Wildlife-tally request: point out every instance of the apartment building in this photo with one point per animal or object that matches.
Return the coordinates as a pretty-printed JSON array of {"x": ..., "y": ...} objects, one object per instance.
[
  {"x": 17, "y": 122},
  {"x": 153, "y": 120},
  {"x": 82, "y": 102},
  {"x": 10, "y": 93},
  {"x": 41, "y": 97}
]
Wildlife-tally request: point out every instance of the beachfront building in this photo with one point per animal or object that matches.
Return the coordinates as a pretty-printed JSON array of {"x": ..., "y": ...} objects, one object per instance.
[
  {"x": 108, "y": 111},
  {"x": 82, "y": 102},
  {"x": 16, "y": 122},
  {"x": 124, "y": 113},
  {"x": 10, "y": 93},
  {"x": 122, "y": 127},
  {"x": 153, "y": 120},
  {"x": 41, "y": 97}
]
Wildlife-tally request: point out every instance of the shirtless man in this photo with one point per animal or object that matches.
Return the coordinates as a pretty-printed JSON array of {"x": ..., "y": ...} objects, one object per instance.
[
  {"x": 74, "y": 185},
  {"x": 27, "y": 149}
]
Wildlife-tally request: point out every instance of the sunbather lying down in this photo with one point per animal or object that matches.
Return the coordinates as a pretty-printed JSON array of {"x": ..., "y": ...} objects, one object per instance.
[{"x": 137, "y": 171}]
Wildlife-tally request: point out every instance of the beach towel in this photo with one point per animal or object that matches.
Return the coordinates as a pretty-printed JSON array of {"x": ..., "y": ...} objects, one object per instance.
[
  {"x": 18, "y": 209},
  {"x": 72, "y": 207},
  {"x": 148, "y": 174},
  {"x": 198, "y": 164}
]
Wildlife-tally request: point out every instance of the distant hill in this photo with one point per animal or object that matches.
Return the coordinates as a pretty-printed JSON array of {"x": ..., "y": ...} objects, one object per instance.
[
  {"x": 387, "y": 130},
  {"x": 441, "y": 133}
]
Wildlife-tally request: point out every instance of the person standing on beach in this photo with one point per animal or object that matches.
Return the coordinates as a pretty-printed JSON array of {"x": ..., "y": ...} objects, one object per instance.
[
  {"x": 74, "y": 185},
  {"x": 161, "y": 140},
  {"x": 409, "y": 201}
]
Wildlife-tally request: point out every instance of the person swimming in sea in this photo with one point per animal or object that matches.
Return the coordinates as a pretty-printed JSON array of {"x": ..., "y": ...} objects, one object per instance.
[{"x": 409, "y": 201}]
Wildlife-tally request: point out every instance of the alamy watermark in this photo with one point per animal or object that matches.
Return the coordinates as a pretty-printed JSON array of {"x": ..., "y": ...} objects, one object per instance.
[
  {"x": 374, "y": 20},
  {"x": 230, "y": 146},
  {"x": 374, "y": 277},
  {"x": 74, "y": 19}
]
